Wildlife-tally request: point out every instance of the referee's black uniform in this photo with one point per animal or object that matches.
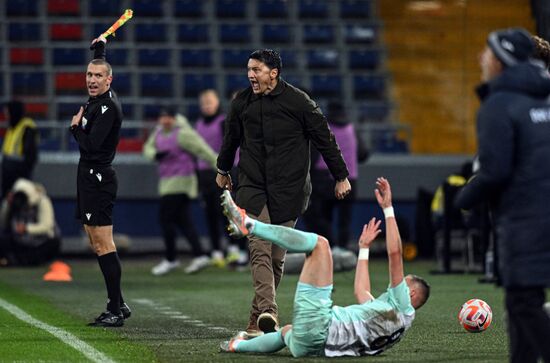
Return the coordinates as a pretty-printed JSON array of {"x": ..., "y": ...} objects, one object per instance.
[{"x": 97, "y": 136}]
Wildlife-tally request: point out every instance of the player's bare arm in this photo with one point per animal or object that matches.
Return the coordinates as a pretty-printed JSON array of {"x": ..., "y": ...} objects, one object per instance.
[
  {"x": 393, "y": 239},
  {"x": 362, "y": 286}
]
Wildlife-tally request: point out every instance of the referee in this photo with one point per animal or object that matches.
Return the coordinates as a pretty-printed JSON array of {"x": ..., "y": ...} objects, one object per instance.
[{"x": 96, "y": 129}]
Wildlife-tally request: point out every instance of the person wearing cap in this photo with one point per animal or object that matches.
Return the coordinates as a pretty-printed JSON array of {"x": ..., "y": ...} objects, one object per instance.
[
  {"x": 513, "y": 132},
  {"x": 274, "y": 124},
  {"x": 173, "y": 145},
  {"x": 20, "y": 147}
]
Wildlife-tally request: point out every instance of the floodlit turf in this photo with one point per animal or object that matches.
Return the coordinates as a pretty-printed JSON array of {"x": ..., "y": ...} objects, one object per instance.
[{"x": 183, "y": 318}]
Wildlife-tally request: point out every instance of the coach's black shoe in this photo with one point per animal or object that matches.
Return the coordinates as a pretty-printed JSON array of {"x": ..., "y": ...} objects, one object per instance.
[
  {"x": 125, "y": 310},
  {"x": 108, "y": 320}
]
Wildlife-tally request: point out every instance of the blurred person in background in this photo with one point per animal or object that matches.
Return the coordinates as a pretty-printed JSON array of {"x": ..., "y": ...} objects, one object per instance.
[
  {"x": 210, "y": 126},
  {"x": 29, "y": 235},
  {"x": 513, "y": 131},
  {"x": 173, "y": 145},
  {"x": 319, "y": 217},
  {"x": 274, "y": 124},
  {"x": 20, "y": 147}
]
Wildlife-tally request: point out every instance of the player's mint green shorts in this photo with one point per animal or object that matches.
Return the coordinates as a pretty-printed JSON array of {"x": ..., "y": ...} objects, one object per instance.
[{"x": 311, "y": 319}]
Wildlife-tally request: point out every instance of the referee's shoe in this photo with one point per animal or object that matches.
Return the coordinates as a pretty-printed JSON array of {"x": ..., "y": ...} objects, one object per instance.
[{"x": 108, "y": 319}]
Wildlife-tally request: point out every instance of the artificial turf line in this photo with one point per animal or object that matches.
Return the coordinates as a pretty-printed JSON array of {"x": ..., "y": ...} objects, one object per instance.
[{"x": 66, "y": 337}]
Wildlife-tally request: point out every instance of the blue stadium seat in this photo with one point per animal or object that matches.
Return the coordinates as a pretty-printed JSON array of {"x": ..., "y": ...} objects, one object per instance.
[
  {"x": 369, "y": 86},
  {"x": 231, "y": 8},
  {"x": 364, "y": 59},
  {"x": 152, "y": 32},
  {"x": 386, "y": 141},
  {"x": 272, "y": 8},
  {"x": 327, "y": 59},
  {"x": 313, "y": 9},
  {"x": 122, "y": 83},
  {"x": 154, "y": 57},
  {"x": 21, "y": 32},
  {"x": 235, "y": 82},
  {"x": 360, "y": 34},
  {"x": 21, "y": 8},
  {"x": 193, "y": 33},
  {"x": 157, "y": 85},
  {"x": 234, "y": 33},
  {"x": 326, "y": 85},
  {"x": 1, "y": 84},
  {"x": 152, "y": 111},
  {"x": 193, "y": 84},
  {"x": 29, "y": 83},
  {"x": 117, "y": 57},
  {"x": 355, "y": 9},
  {"x": 99, "y": 28},
  {"x": 276, "y": 33},
  {"x": 294, "y": 79},
  {"x": 196, "y": 58},
  {"x": 69, "y": 56},
  {"x": 105, "y": 8},
  {"x": 147, "y": 8},
  {"x": 318, "y": 34},
  {"x": 128, "y": 110},
  {"x": 235, "y": 58},
  {"x": 65, "y": 111},
  {"x": 188, "y": 8},
  {"x": 289, "y": 58},
  {"x": 374, "y": 111},
  {"x": 193, "y": 111}
]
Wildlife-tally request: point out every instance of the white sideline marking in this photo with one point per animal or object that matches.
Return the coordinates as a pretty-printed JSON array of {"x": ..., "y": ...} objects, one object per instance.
[
  {"x": 174, "y": 314},
  {"x": 66, "y": 337}
]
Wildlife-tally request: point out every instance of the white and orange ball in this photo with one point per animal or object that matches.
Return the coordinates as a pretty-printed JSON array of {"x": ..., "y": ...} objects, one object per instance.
[{"x": 475, "y": 316}]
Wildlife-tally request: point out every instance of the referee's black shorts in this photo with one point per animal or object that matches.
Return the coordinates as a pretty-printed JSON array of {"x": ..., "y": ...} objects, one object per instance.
[{"x": 96, "y": 188}]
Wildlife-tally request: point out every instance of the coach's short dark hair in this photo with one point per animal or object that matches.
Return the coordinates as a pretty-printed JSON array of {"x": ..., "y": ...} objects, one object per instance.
[
  {"x": 103, "y": 62},
  {"x": 270, "y": 57},
  {"x": 423, "y": 286}
]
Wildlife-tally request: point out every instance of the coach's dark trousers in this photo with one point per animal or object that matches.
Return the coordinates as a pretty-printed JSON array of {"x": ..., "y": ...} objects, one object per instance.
[{"x": 528, "y": 325}]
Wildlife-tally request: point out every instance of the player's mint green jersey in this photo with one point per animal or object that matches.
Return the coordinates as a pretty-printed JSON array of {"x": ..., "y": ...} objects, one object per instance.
[{"x": 372, "y": 327}]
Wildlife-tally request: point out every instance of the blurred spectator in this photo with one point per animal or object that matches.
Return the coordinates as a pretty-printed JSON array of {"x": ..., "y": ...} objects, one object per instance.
[
  {"x": 173, "y": 145},
  {"x": 20, "y": 148},
  {"x": 29, "y": 232},
  {"x": 323, "y": 202},
  {"x": 210, "y": 127}
]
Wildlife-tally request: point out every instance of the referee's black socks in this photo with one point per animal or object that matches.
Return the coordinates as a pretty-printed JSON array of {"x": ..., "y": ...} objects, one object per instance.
[{"x": 110, "y": 267}]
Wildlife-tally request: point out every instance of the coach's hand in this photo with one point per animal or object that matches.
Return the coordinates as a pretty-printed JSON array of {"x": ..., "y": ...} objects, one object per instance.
[
  {"x": 224, "y": 181},
  {"x": 78, "y": 117},
  {"x": 342, "y": 188}
]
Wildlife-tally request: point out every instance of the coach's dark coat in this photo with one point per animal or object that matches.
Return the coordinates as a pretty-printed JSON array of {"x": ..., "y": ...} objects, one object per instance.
[
  {"x": 513, "y": 129},
  {"x": 274, "y": 133}
]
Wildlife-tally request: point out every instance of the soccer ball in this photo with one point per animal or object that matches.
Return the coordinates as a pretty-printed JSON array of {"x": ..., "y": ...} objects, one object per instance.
[{"x": 475, "y": 315}]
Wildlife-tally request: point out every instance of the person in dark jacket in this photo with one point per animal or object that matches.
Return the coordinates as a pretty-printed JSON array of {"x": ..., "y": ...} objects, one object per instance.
[
  {"x": 96, "y": 129},
  {"x": 274, "y": 124},
  {"x": 20, "y": 147},
  {"x": 513, "y": 130},
  {"x": 319, "y": 217}
]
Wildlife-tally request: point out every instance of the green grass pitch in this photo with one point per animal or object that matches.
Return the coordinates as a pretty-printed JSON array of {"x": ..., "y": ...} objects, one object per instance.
[{"x": 182, "y": 318}]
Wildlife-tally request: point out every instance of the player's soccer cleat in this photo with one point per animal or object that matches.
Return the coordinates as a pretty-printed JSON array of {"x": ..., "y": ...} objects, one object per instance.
[
  {"x": 164, "y": 267},
  {"x": 197, "y": 264},
  {"x": 108, "y": 320},
  {"x": 229, "y": 346},
  {"x": 125, "y": 310},
  {"x": 235, "y": 216},
  {"x": 267, "y": 323}
]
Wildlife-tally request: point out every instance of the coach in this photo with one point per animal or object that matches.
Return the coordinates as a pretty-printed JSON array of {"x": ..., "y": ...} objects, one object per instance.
[
  {"x": 513, "y": 130},
  {"x": 96, "y": 129},
  {"x": 273, "y": 123}
]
